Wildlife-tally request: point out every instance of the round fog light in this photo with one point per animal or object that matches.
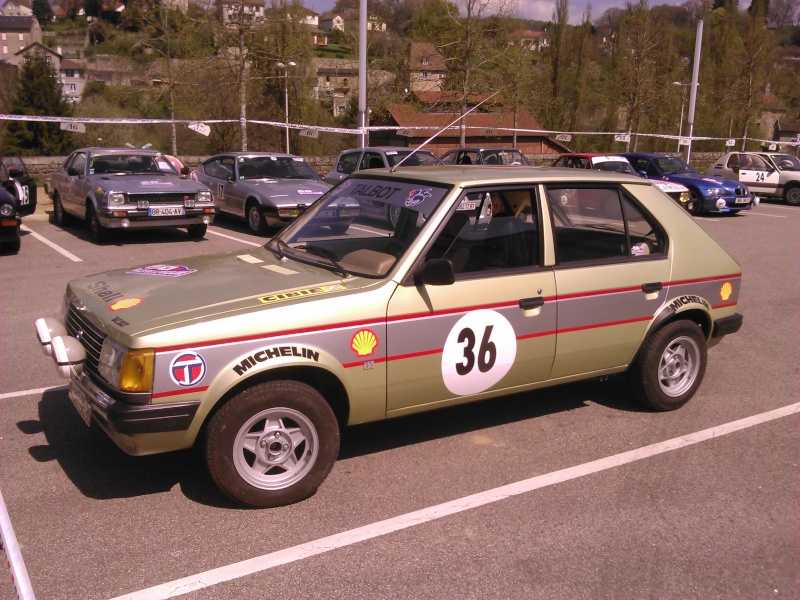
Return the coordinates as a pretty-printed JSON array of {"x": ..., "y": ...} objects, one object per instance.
[
  {"x": 206, "y": 220},
  {"x": 721, "y": 203},
  {"x": 125, "y": 222}
]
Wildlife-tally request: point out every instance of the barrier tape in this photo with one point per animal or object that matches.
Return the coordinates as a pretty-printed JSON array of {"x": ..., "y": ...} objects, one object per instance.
[
  {"x": 360, "y": 130},
  {"x": 9, "y": 546}
]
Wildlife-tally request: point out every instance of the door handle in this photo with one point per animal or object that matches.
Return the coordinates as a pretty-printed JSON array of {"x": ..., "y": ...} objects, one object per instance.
[
  {"x": 529, "y": 303},
  {"x": 651, "y": 288}
]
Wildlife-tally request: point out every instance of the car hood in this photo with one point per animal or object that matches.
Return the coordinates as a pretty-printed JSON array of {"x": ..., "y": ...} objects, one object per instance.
[
  {"x": 150, "y": 298},
  {"x": 145, "y": 183},
  {"x": 704, "y": 181},
  {"x": 289, "y": 191}
]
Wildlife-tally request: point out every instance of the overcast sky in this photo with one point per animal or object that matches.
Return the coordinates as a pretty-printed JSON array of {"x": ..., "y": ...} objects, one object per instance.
[{"x": 541, "y": 10}]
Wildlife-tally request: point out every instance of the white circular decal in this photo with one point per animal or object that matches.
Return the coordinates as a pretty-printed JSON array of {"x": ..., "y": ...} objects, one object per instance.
[{"x": 478, "y": 352}]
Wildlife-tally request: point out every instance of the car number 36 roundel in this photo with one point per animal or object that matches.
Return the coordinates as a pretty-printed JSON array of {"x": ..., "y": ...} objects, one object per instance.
[{"x": 478, "y": 352}]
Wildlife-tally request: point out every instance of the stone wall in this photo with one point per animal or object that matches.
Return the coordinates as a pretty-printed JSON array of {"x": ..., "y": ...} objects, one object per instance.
[{"x": 41, "y": 166}]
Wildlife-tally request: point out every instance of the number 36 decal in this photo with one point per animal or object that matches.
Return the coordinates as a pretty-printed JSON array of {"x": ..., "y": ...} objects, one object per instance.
[{"x": 478, "y": 352}]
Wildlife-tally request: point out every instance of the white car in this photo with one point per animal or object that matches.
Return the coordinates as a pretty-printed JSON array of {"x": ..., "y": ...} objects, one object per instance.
[{"x": 768, "y": 174}]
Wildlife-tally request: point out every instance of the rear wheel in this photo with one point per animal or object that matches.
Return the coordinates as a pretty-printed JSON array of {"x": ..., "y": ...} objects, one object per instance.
[
  {"x": 671, "y": 366},
  {"x": 792, "y": 195},
  {"x": 198, "y": 231},
  {"x": 255, "y": 218},
  {"x": 96, "y": 230},
  {"x": 273, "y": 444}
]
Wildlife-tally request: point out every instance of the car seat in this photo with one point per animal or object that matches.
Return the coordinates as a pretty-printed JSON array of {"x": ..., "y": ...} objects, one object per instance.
[{"x": 375, "y": 162}]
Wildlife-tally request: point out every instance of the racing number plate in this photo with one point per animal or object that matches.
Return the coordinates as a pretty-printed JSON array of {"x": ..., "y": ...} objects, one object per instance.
[
  {"x": 165, "y": 211},
  {"x": 81, "y": 404}
]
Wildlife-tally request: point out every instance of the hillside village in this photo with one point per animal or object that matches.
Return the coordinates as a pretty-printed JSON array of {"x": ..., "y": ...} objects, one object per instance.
[{"x": 411, "y": 83}]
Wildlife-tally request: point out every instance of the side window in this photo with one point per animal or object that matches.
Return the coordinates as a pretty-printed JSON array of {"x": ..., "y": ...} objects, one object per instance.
[
  {"x": 78, "y": 162},
  {"x": 372, "y": 160},
  {"x": 733, "y": 162},
  {"x": 226, "y": 167},
  {"x": 600, "y": 224},
  {"x": 490, "y": 232},
  {"x": 450, "y": 158},
  {"x": 347, "y": 163}
]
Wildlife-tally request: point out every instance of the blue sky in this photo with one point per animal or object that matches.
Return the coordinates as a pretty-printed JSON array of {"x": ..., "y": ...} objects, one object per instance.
[{"x": 541, "y": 10}]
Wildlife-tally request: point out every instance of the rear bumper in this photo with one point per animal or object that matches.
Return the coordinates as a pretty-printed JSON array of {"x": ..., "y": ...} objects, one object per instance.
[{"x": 727, "y": 325}]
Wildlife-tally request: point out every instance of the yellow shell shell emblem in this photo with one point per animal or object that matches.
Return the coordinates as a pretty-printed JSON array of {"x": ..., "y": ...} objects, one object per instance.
[
  {"x": 125, "y": 303},
  {"x": 725, "y": 291},
  {"x": 364, "y": 342}
]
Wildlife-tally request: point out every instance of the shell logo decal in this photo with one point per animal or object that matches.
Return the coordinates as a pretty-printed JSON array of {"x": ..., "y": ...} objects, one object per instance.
[
  {"x": 725, "y": 291},
  {"x": 125, "y": 303},
  {"x": 364, "y": 342}
]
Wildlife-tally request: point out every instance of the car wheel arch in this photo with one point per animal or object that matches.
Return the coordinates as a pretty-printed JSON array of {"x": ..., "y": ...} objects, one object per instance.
[
  {"x": 322, "y": 380},
  {"x": 669, "y": 315}
]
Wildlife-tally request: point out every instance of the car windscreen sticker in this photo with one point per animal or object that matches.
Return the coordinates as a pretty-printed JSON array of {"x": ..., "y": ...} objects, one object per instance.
[
  {"x": 416, "y": 197},
  {"x": 187, "y": 369},
  {"x": 163, "y": 270},
  {"x": 310, "y": 192},
  {"x": 479, "y": 351}
]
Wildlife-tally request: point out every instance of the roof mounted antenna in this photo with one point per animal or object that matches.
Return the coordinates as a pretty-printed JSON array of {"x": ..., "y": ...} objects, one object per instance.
[{"x": 423, "y": 144}]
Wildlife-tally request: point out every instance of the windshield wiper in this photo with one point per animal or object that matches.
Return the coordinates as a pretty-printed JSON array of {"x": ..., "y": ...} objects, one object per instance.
[
  {"x": 279, "y": 243},
  {"x": 328, "y": 255}
]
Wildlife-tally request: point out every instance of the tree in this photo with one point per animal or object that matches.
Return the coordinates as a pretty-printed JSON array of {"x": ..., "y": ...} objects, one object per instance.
[
  {"x": 42, "y": 11},
  {"x": 38, "y": 93}
]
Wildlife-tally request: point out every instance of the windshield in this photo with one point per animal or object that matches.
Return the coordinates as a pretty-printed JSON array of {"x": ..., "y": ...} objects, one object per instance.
[
  {"x": 11, "y": 162},
  {"x": 422, "y": 158},
  {"x": 124, "y": 163},
  {"x": 360, "y": 227},
  {"x": 786, "y": 162},
  {"x": 275, "y": 167},
  {"x": 617, "y": 166},
  {"x": 503, "y": 157},
  {"x": 670, "y": 165}
]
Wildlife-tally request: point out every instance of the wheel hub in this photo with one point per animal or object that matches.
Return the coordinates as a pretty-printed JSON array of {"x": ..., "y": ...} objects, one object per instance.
[{"x": 275, "y": 447}]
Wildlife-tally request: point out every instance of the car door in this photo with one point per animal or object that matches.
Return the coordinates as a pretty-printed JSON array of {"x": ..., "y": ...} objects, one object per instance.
[
  {"x": 493, "y": 327},
  {"x": 220, "y": 172},
  {"x": 752, "y": 170},
  {"x": 74, "y": 191},
  {"x": 611, "y": 265}
]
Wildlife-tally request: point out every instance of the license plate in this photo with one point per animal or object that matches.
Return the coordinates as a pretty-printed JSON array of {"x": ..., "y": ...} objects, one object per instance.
[
  {"x": 742, "y": 201},
  {"x": 81, "y": 404},
  {"x": 165, "y": 211},
  {"x": 327, "y": 214}
]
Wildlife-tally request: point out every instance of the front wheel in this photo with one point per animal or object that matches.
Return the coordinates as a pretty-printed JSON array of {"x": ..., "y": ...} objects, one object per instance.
[
  {"x": 671, "y": 366},
  {"x": 97, "y": 232},
  {"x": 695, "y": 204},
  {"x": 255, "y": 218},
  {"x": 272, "y": 444},
  {"x": 792, "y": 195},
  {"x": 197, "y": 231}
]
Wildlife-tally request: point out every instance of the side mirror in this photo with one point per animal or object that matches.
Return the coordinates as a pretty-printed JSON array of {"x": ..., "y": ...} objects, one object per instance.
[
  {"x": 643, "y": 173},
  {"x": 437, "y": 271},
  {"x": 13, "y": 173}
]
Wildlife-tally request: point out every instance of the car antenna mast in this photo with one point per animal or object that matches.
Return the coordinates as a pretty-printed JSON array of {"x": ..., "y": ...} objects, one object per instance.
[{"x": 423, "y": 144}]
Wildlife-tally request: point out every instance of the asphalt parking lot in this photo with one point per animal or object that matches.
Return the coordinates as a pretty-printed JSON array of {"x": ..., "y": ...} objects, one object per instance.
[{"x": 571, "y": 492}]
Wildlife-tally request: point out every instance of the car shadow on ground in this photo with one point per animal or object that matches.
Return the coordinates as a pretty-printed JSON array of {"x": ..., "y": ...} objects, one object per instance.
[{"x": 101, "y": 471}]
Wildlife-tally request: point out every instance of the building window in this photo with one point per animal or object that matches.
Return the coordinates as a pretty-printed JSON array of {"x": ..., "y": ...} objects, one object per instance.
[
  {"x": 5, "y": 49},
  {"x": 21, "y": 38}
]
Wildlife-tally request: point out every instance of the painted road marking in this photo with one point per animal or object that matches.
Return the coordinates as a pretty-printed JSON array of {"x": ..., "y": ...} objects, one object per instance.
[
  {"x": 31, "y": 392},
  {"x": 230, "y": 237},
  {"x": 55, "y": 247},
  {"x": 259, "y": 564}
]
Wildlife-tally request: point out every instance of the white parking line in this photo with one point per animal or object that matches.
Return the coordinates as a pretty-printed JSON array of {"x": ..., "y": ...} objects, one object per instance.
[
  {"x": 55, "y": 247},
  {"x": 761, "y": 214},
  {"x": 230, "y": 237},
  {"x": 31, "y": 392},
  {"x": 259, "y": 564}
]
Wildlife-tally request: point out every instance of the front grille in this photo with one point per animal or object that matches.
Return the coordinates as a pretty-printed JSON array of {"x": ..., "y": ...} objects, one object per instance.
[
  {"x": 739, "y": 191},
  {"x": 90, "y": 337},
  {"x": 161, "y": 198}
]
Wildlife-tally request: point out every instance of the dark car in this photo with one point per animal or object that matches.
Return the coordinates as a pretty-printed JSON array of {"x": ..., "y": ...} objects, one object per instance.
[
  {"x": 16, "y": 180},
  {"x": 377, "y": 157},
  {"x": 485, "y": 156},
  {"x": 9, "y": 223},
  {"x": 267, "y": 189},
  {"x": 707, "y": 192}
]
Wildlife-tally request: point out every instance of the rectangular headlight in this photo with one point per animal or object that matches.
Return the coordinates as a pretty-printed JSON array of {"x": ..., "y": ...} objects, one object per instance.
[
  {"x": 127, "y": 370},
  {"x": 204, "y": 196},
  {"x": 116, "y": 198}
]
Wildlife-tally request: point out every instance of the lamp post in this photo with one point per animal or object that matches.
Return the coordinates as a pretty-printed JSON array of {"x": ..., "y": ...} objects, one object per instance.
[
  {"x": 285, "y": 67},
  {"x": 683, "y": 105}
]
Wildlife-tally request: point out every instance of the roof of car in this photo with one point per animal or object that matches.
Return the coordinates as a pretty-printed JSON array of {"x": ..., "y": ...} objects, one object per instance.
[
  {"x": 256, "y": 154},
  {"x": 480, "y": 175},
  {"x": 100, "y": 150},
  {"x": 481, "y": 148},
  {"x": 383, "y": 149}
]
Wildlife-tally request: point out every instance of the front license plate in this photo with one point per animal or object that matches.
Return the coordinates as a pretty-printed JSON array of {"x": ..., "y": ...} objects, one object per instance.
[
  {"x": 165, "y": 211},
  {"x": 742, "y": 201},
  {"x": 81, "y": 404}
]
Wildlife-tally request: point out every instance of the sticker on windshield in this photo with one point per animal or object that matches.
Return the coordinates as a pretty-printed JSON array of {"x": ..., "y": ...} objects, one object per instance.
[
  {"x": 416, "y": 197},
  {"x": 479, "y": 351}
]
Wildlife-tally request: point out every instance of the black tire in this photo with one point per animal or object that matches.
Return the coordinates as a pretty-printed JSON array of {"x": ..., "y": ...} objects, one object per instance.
[
  {"x": 339, "y": 228},
  {"x": 393, "y": 214},
  {"x": 60, "y": 216},
  {"x": 670, "y": 366},
  {"x": 198, "y": 231},
  {"x": 11, "y": 247},
  {"x": 695, "y": 205},
  {"x": 792, "y": 195},
  {"x": 255, "y": 218},
  {"x": 272, "y": 445},
  {"x": 97, "y": 232}
]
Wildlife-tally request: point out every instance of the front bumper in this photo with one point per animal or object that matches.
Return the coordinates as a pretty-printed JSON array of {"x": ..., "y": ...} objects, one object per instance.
[
  {"x": 124, "y": 218},
  {"x": 725, "y": 204},
  {"x": 9, "y": 229}
]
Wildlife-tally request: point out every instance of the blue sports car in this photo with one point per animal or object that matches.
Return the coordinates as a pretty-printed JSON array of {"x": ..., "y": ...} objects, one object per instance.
[{"x": 708, "y": 193}]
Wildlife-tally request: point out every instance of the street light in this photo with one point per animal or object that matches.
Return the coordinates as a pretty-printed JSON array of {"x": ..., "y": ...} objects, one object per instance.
[
  {"x": 683, "y": 104},
  {"x": 285, "y": 67}
]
